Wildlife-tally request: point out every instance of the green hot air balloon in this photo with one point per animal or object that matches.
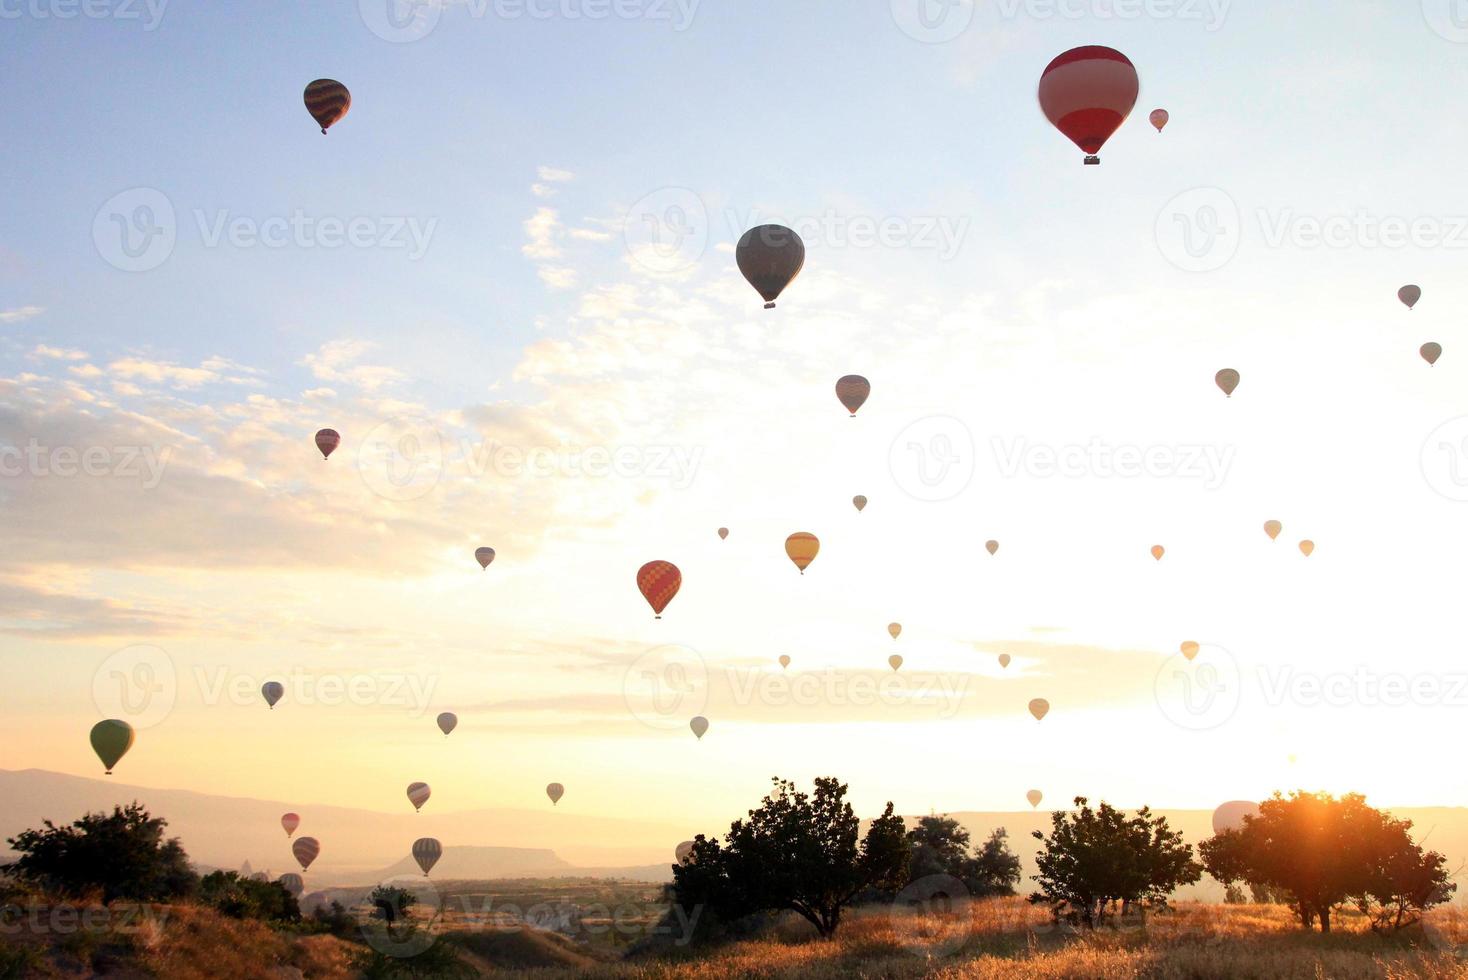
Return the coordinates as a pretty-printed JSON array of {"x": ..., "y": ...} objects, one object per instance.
[{"x": 110, "y": 740}]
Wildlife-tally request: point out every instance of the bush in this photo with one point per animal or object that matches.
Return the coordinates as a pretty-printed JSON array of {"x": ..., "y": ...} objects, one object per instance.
[
  {"x": 940, "y": 846},
  {"x": 249, "y": 898},
  {"x": 123, "y": 855}
]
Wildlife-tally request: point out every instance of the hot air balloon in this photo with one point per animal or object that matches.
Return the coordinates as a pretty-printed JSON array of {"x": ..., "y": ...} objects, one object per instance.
[
  {"x": 894, "y": 661},
  {"x": 418, "y": 794},
  {"x": 1004, "y": 659},
  {"x": 1158, "y": 118},
  {"x": 683, "y": 853},
  {"x": 770, "y": 257},
  {"x": 802, "y": 547},
  {"x": 327, "y": 440},
  {"x": 427, "y": 851},
  {"x": 659, "y": 581},
  {"x": 306, "y": 850},
  {"x": 1307, "y": 547},
  {"x": 1227, "y": 380},
  {"x": 555, "y": 791},
  {"x": 1034, "y": 796},
  {"x": 699, "y": 724},
  {"x": 859, "y": 502},
  {"x": 992, "y": 547},
  {"x": 1087, "y": 93},
  {"x": 272, "y": 691},
  {"x": 484, "y": 556},
  {"x": 292, "y": 883},
  {"x": 328, "y": 101},
  {"x": 723, "y": 533},
  {"x": 852, "y": 391},
  {"x": 1039, "y": 707},
  {"x": 289, "y": 822},
  {"x": 1409, "y": 295},
  {"x": 1230, "y": 815},
  {"x": 110, "y": 740},
  {"x": 1431, "y": 352},
  {"x": 447, "y": 722},
  {"x": 1272, "y": 528},
  {"x": 1158, "y": 551},
  {"x": 895, "y": 629},
  {"x": 784, "y": 660},
  {"x": 1189, "y": 649}
]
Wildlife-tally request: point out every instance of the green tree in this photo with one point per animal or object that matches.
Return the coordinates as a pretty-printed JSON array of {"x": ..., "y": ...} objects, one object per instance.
[
  {"x": 122, "y": 854},
  {"x": 794, "y": 851},
  {"x": 940, "y": 846},
  {"x": 248, "y": 898}
]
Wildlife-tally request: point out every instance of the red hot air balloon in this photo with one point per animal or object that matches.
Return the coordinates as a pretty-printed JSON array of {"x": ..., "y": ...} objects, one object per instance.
[
  {"x": 770, "y": 257},
  {"x": 659, "y": 581},
  {"x": 1087, "y": 93},
  {"x": 327, "y": 440},
  {"x": 1158, "y": 118},
  {"x": 328, "y": 101},
  {"x": 289, "y": 822},
  {"x": 852, "y": 391}
]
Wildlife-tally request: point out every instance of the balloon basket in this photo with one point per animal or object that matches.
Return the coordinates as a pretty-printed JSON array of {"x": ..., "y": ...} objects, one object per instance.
[
  {"x": 769, "y": 306},
  {"x": 1092, "y": 160}
]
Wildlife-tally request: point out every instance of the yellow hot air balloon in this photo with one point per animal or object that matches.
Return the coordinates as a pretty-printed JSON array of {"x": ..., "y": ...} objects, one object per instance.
[
  {"x": 1158, "y": 551},
  {"x": 992, "y": 546},
  {"x": 1189, "y": 649},
  {"x": 784, "y": 660},
  {"x": 802, "y": 547},
  {"x": 1307, "y": 547},
  {"x": 894, "y": 661},
  {"x": 1039, "y": 707},
  {"x": 1272, "y": 528},
  {"x": 895, "y": 629},
  {"x": 1004, "y": 660},
  {"x": 1034, "y": 796}
]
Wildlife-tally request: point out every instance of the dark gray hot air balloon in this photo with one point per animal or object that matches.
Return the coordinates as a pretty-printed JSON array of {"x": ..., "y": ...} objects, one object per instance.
[{"x": 770, "y": 257}]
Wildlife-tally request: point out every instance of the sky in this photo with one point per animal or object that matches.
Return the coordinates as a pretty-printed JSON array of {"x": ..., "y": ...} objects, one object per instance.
[{"x": 507, "y": 278}]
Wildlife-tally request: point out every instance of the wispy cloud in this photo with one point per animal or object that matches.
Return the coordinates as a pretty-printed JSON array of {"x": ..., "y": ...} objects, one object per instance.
[{"x": 20, "y": 314}]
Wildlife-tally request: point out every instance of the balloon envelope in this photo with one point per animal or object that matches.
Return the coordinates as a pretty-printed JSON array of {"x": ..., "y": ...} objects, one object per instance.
[
  {"x": 1230, "y": 816},
  {"x": 723, "y": 533},
  {"x": 447, "y": 722},
  {"x": 683, "y": 853},
  {"x": 699, "y": 725},
  {"x": 659, "y": 581},
  {"x": 292, "y": 883},
  {"x": 992, "y": 547},
  {"x": 418, "y": 794},
  {"x": 484, "y": 556},
  {"x": 1158, "y": 551},
  {"x": 852, "y": 391},
  {"x": 1307, "y": 548},
  {"x": 770, "y": 257},
  {"x": 859, "y": 502},
  {"x": 1158, "y": 118},
  {"x": 272, "y": 691},
  {"x": 110, "y": 740},
  {"x": 1087, "y": 93},
  {"x": 895, "y": 629},
  {"x": 306, "y": 850},
  {"x": 1034, "y": 796},
  {"x": 1039, "y": 707},
  {"x": 327, "y": 440},
  {"x": 1272, "y": 528},
  {"x": 895, "y": 661},
  {"x": 1431, "y": 352},
  {"x": 555, "y": 791},
  {"x": 802, "y": 547},
  {"x": 1227, "y": 380},
  {"x": 1004, "y": 660},
  {"x": 784, "y": 660},
  {"x": 289, "y": 822},
  {"x": 1189, "y": 649},
  {"x": 328, "y": 101},
  {"x": 1409, "y": 295}
]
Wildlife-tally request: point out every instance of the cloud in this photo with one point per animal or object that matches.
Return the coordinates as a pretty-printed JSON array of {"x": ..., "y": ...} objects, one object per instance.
[
  {"x": 557, "y": 276},
  {"x": 541, "y": 229},
  {"x": 58, "y": 353},
  {"x": 20, "y": 314},
  {"x": 548, "y": 178},
  {"x": 337, "y": 362}
]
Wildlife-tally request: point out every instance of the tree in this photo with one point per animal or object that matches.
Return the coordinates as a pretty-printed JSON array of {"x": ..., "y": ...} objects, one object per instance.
[
  {"x": 1321, "y": 852},
  {"x": 123, "y": 855},
  {"x": 389, "y": 902},
  {"x": 1094, "y": 859},
  {"x": 940, "y": 846},
  {"x": 795, "y": 851},
  {"x": 249, "y": 898}
]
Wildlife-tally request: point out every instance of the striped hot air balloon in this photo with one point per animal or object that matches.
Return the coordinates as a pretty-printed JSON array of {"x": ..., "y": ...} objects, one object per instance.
[
  {"x": 289, "y": 822},
  {"x": 1087, "y": 93},
  {"x": 327, "y": 440},
  {"x": 328, "y": 101},
  {"x": 852, "y": 391},
  {"x": 802, "y": 547},
  {"x": 484, "y": 556},
  {"x": 427, "y": 851},
  {"x": 292, "y": 883},
  {"x": 418, "y": 794},
  {"x": 306, "y": 850},
  {"x": 555, "y": 791},
  {"x": 659, "y": 581}
]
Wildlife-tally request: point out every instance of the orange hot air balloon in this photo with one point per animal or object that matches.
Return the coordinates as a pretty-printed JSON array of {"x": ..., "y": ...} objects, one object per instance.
[
  {"x": 770, "y": 257},
  {"x": 859, "y": 502},
  {"x": 555, "y": 791},
  {"x": 1158, "y": 551},
  {"x": 1227, "y": 380},
  {"x": 328, "y": 101},
  {"x": 1087, "y": 93},
  {"x": 1034, "y": 796},
  {"x": 895, "y": 629},
  {"x": 306, "y": 850},
  {"x": 1431, "y": 352},
  {"x": 427, "y": 851},
  {"x": 1409, "y": 295},
  {"x": 1158, "y": 118},
  {"x": 802, "y": 547},
  {"x": 784, "y": 660},
  {"x": 723, "y": 533},
  {"x": 1272, "y": 528},
  {"x": 894, "y": 661},
  {"x": 1004, "y": 660},
  {"x": 1189, "y": 649},
  {"x": 289, "y": 822},
  {"x": 852, "y": 391},
  {"x": 659, "y": 581},
  {"x": 698, "y": 725},
  {"x": 418, "y": 794},
  {"x": 1307, "y": 548},
  {"x": 1039, "y": 707},
  {"x": 327, "y": 440},
  {"x": 992, "y": 547},
  {"x": 484, "y": 556}
]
